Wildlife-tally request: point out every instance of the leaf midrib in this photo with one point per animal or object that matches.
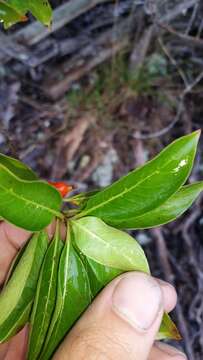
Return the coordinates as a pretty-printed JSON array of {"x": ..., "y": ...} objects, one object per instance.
[
  {"x": 36, "y": 205},
  {"x": 48, "y": 295},
  {"x": 159, "y": 206},
  {"x": 100, "y": 239},
  {"x": 84, "y": 213}
]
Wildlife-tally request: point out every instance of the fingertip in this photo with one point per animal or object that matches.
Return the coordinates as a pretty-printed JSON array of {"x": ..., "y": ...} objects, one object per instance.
[{"x": 169, "y": 295}]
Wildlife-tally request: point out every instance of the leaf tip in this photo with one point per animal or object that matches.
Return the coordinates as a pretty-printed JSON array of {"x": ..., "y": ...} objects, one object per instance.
[
  {"x": 197, "y": 133},
  {"x": 174, "y": 332}
]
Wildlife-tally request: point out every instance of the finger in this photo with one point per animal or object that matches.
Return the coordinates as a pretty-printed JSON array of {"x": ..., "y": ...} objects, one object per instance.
[
  {"x": 169, "y": 301},
  {"x": 122, "y": 322},
  {"x": 3, "y": 350},
  {"x": 11, "y": 239},
  {"x": 17, "y": 346},
  {"x": 162, "y": 351}
]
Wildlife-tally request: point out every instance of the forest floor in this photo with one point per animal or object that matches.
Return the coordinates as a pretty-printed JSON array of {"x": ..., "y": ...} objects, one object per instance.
[{"x": 109, "y": 121}]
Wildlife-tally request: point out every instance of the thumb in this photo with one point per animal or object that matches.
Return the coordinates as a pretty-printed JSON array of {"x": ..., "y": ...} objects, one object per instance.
[{"x": 122, "y": 322}]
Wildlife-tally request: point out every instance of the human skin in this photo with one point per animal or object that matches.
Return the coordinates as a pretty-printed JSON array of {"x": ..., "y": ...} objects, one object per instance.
[{"x": 120, "y": 324}]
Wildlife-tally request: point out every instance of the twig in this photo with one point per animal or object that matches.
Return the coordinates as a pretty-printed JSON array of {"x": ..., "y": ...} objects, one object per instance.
[
  {"x": 163, "y": 131},
  {"x": 195, "y": 41},
  {"x": 177, "y": 10},
  {"x": 63, "y": 14},
  {"x": 166, "y": 129},
  {"x": 91, "y": 55},
  {"x": 169, "y": 276},
  {"x": 173, "y": 61},
  {"x": 192, "y": 19}
]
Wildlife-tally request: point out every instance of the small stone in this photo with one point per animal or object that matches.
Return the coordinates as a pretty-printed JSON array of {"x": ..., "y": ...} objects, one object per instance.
[
  {"x": 103, "y": 175},
  {"x": 143, "y": 238}
]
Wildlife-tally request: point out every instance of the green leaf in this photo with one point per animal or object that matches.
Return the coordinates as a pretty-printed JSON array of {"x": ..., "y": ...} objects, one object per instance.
[
  {"x": 73, "y": 296},
  {"x": 175, "y": 206},
  {"x": 9, "y": 15},
  {"x": 147, "y": 187},
  {"x": 168, "y": 329},
  {"x": 21, "y": 6},
  {"x": 41, "y": 9},
  {"x": 17, "y": 168},
  {"x": 81, "y": 199},
  {"x": 14, "y": 263},
  {"x": 107, "y": 245},
  {"x": 17, "y": 297},
  {"x": 99, "y": 275},
  {"x": 27, "y": 204},
  {"x": 45, "y": 297}
]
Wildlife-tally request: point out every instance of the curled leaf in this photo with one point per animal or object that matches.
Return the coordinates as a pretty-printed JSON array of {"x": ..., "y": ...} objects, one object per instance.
[{"x": 45, "y": 297}]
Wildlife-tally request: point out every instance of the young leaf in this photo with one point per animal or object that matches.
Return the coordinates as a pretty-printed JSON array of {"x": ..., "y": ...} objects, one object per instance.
[
  {"x": 81, "y": 199},
  {"x": 17, "y": 296},
  {"x": 73, "y": 296},
  {"x": 147, "y": 187},
  {"x": 45, "y": 298},
  {"x": 9, "y": 15},
  {"x": 107, "y": 245},
  {"x": 175, "y": 206},
  {"x": 27, "y": 204},
  {"x": 17, "y": 168}
]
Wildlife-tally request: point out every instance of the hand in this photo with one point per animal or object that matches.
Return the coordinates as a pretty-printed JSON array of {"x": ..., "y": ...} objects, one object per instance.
[{"x": 120, "y": 324}]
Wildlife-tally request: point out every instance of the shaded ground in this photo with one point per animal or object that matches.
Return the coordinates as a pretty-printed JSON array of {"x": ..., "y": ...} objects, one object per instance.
[{"x": 107, "y": 125}]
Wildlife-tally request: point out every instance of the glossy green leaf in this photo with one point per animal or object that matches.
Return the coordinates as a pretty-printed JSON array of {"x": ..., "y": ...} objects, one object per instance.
[
  {"x": 73, "y": 296},
  {"x": 21, "y": 6},
  {"x": 99, "y": 275},
  {"x": 175, "y": 206},
  {"x": 147, "y": 187},
  {"x": 107, "y": 245},
  {"x": 168, "y": 329},
  {"x": 17, "y": 168},
  {"x": 9, "y": 15},
  {"x": 41, "y": 9},
  {"x": 45, "y": 298},
  {"x": 28, "y": 204},
  {"x": 17, "y": 297}
]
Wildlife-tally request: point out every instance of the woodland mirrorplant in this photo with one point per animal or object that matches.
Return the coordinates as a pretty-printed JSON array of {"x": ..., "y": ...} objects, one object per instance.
[{"x": 51, "y": 281}]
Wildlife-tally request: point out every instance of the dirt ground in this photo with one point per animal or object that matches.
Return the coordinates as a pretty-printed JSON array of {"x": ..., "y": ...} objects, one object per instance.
[{"x": 91, "y": 137}]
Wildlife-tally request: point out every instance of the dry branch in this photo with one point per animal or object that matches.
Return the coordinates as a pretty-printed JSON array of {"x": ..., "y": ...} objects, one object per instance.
[
  {"x": 63, "y": 15},
  {"x": 35, "y": 32},
  {"x": 102, "y": 48}
]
